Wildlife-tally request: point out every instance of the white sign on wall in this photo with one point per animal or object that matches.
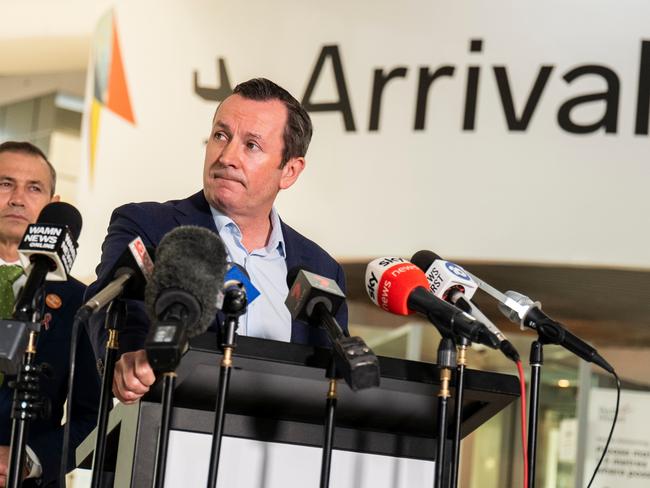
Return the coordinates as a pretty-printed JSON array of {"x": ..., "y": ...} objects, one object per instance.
[
  {"x": 507, "y": 131},
  {"x": 627, "y": 463}
]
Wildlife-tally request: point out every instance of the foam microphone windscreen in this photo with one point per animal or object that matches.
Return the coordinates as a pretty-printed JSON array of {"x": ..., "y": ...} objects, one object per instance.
[
  {"x": 61, "y": 213},
  {"x": 423, "y": 259},
  {"x": 191, "y": 259}
]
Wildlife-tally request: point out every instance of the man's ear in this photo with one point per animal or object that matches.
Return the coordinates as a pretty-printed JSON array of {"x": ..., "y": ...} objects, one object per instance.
[
  {"x": 55, "y": 198},
  {"x": 291, "y": 171}
]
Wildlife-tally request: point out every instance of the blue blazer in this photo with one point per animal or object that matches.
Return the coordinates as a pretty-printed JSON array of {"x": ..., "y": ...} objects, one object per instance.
[
  {"x": 45, "y": 437},
  {"x": 151, "y": 221}
]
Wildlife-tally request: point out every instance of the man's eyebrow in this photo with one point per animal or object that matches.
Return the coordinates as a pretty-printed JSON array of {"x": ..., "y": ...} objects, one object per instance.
[
  {"x": 13, "y": 180},
  {"x": 222, "y": 125},
  {"x": 254, "y": 135},
  {"x": 249, "y": 135}
]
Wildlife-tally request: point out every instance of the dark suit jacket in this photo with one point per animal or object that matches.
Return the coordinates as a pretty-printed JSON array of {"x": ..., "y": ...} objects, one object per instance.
[
  {"x": 53, "y": 347},
  {"x": 151, "y": 221}
]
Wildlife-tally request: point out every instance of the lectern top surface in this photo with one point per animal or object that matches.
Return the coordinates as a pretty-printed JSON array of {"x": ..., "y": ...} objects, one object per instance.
[{"x": 287, "y": 381}]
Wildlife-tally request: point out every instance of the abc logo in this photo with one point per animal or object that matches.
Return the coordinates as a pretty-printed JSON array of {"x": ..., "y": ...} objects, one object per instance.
[{"x": 457, "y": 270}]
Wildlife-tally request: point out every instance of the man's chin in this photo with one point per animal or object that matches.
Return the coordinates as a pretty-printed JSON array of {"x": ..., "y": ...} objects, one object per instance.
[
  {"x": 223, "y": 199},
  {"x": 12, "y": 228}
]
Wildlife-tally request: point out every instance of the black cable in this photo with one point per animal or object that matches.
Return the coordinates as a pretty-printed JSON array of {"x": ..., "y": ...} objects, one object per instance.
[
  {"x": 76, "y": 326},
  {"x": 618, "y": 401}
]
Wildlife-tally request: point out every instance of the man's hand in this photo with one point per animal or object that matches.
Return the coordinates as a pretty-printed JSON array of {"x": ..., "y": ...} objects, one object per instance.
[
  {"x": 133, "y": 377},
  {"x": 4, "y": 464}
]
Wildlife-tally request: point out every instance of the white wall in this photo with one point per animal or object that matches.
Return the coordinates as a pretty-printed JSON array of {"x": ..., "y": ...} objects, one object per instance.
[{"x": 492, "y": 193}]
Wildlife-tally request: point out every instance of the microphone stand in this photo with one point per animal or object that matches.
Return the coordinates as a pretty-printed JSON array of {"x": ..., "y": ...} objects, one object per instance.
[
  {"x": 234, "y": 306},
  {"x": 328, "y": 428},
  {"x": 115, "y": 315},
  {"x": 27, "y": 404},
  {"x": 169, "y": 382},
  {"x": 536, "y": 362},
  {"x": 463, "y": 344},
  {"x": 446, "y": 361}
]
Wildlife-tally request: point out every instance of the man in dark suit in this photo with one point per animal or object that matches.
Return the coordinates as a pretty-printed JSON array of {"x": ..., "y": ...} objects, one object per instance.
[
  {"x": 27, "y": 182},
  {"x": 257, "y": 146}
]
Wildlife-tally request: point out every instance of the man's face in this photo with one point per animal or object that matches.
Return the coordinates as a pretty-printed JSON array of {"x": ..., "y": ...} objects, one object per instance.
[
  {"x": 241, "y": 173},
  {"x": 25, "y": 188}
]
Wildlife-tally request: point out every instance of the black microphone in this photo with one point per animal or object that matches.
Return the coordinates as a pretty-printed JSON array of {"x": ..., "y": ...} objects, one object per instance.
[
  {"x": 522, "y": 310},
  {"x": 235, "y": 291},
  {"x": 47, "y": 251},
  {"x": 131, "y": 273},
  {"x": 452, "y": 283},
  {"x": 314, "y": 299},
  {"x": 551, "y": 331},
  {"x": 181, "y": 298}
]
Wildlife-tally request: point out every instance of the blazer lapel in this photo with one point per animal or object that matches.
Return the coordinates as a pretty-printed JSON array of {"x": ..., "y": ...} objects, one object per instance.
[{"x": 195, "y": 211}]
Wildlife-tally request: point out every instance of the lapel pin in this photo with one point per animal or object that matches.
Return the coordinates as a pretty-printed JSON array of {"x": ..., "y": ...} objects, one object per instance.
[{"x": 53, "y": 301}]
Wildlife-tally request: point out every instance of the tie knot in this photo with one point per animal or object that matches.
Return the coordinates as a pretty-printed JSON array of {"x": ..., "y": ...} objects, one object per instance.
[{"x": 10, "y": 273}]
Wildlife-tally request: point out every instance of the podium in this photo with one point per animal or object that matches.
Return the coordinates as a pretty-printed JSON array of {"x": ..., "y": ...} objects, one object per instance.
[{"x": 277, "y": 398}]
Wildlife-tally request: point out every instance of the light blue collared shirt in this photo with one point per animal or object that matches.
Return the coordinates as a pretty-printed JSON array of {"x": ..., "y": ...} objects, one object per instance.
[{"x": 267, "y": 316}]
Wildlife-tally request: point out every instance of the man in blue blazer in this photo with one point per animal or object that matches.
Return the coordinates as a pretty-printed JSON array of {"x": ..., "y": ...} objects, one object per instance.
[
  {"x": 27, "y": 182},
  {"x": 257, "y": 146}
]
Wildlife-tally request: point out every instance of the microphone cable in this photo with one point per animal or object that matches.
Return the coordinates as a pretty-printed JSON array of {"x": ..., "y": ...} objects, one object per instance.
[{"x": 611, "y": 432}]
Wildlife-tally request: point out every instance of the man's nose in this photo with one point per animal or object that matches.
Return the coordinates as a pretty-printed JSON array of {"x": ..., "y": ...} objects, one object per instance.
[
  {"x": 17, "y": 198},
  {"x": 230, "y": 155}
]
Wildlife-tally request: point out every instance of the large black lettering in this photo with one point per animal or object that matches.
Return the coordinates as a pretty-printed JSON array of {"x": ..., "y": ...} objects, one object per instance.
[
  {"x": 343, "y": 103},
  {"x": 520, "y": 123},
  {"x": 426, "y": 79},
  {"x": 379, "y": 83},
  {"x": 609, "y": 120},
  {"x": 643, "y": 94},
  {"x": 471, "y": 94},
  {"x": 216, "y": 94}
]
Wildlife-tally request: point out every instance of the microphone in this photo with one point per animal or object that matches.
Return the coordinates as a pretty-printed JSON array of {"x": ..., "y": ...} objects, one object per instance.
[
  {"x": 181, "y": 298},
  {"x": 47, "y": 251},
  {"x": 452, "y": 283},
  {"x": 522, "y": 310},
  {"x": 552, "y": 331},
  {"x": 238, "y": 272},
  {"x": 131, "y": 273},
  {"x": 314, "y": 299},
  {"x": 400, "y": 287},
  {"x": 233, "y": 299}
]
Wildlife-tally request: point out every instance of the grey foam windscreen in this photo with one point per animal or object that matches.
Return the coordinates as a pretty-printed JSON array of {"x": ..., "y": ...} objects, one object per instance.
[{"x": 191, "y": 259}]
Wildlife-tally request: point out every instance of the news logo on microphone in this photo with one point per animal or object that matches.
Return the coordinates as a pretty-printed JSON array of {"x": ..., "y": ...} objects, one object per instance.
[
  {"x": 444, "y": 276},
  {"x": 54, "y": 241},
  {"x": 388, "y": 280}
]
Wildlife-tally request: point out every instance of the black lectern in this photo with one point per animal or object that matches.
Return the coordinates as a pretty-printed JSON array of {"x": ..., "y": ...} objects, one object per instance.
[{"x": 277, "y": 395}]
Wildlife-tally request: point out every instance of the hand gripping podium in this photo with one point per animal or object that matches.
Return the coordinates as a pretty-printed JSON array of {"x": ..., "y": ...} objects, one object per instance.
[{"x": 384, "y": 436}]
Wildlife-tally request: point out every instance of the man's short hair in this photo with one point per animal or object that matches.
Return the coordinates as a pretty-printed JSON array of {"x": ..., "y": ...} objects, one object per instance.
[
  {"x": 25, "y": 147},
  {"x": 298, "y": 129}
]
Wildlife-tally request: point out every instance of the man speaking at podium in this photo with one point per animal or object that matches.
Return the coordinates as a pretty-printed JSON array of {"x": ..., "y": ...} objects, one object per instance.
[{"x": 256, "y": 148}]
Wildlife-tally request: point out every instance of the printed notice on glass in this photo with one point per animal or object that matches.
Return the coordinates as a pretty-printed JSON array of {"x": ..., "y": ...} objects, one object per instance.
[{"x": 627, "y": 464}]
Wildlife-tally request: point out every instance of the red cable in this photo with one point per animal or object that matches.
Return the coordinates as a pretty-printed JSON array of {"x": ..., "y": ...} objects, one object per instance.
[{"x": 524, "y": 443}]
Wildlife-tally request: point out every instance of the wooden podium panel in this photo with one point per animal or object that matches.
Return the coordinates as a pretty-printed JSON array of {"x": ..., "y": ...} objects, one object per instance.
[{"x": 277, "y": 395}]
